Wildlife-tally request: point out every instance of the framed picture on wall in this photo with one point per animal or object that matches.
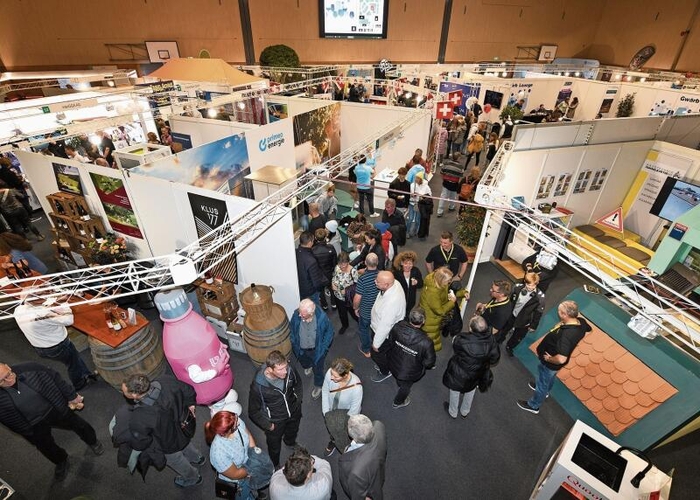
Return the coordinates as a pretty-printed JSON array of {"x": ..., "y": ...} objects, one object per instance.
[
  {"x": 563, "y": 184},
  {"x": 582, "y": 181},
  {"x": 599, "y": 179},
  {"x": 546, "y": 183}
]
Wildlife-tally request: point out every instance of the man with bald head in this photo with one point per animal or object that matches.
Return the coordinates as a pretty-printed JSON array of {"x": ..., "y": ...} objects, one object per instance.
[{"x": 388, "y": 309}]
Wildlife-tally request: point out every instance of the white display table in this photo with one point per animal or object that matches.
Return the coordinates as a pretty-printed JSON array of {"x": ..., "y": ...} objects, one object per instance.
[
  {"x": 381, "y": 184},
  {"x": 270, "y": 179}
]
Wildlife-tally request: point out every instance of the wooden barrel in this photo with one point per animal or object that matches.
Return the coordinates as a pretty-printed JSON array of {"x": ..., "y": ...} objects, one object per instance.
[
  {"x": 258, "y": 309},
  {"x": 140, "y": 353},
  {"x": 260, "y": 339}
]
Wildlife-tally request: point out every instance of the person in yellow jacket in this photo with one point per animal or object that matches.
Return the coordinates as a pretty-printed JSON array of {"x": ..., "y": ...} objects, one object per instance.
[{"x": 437, "y": 301}]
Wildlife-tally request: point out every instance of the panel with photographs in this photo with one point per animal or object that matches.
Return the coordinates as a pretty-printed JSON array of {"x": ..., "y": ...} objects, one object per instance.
[
  {"x": 599, "y": 179},
  {"x": 563, "y": 184},
  {"x": 546, "y": 184},
  {"x": 584, "y": 177}
]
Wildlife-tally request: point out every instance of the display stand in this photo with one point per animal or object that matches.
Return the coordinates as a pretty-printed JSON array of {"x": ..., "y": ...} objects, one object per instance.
[
  {"x": 270, "y": 179},
  {"x": 381, "y": 183},
  {"x": 140, "y": 154},
  {"x": 587, "y": 467},
  {"x": 74, "y": 228}
]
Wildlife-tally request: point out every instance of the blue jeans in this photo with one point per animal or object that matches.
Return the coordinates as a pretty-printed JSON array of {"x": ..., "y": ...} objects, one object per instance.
[
  {"x": 545, "y": 381},
  {"x": 306, "y": 360},
  {"x": 413, "y": 221},
  {"x": 446, "y": 194},
  {"x": 66, "y": 353},
  {"x": 363, "y": 332}
]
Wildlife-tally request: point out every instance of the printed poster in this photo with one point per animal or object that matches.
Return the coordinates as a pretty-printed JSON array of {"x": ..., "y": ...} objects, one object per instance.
[
  {"x": 468, "y": 90},
  {"x": 218, "y": 166},
  {"x": 210, "y": 214},
  {"x": 584, "y": 177},
  {"x": 317, "y": 136},
  {"x": 599, "y": 179},
  {"x": 116, "y": 205},
  {"x": 546, "y": 184},
  {"x": 563, "y": 184},
  {"x": 67, "y": 178}
]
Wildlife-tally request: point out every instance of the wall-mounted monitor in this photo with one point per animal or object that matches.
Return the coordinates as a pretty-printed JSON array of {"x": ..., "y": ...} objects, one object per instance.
[
  {"x": 353, "y": 18},
  {"x": 675, "y": 198},
  {"x": 493, "y": 98}
]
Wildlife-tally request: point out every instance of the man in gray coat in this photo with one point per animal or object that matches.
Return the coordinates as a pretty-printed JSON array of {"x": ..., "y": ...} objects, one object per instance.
[{"x": 361, "y": 467}]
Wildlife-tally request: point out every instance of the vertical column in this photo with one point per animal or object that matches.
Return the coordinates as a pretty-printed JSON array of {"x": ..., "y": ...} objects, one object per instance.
[
  {"x": 247, "y": 32},
  {"x": 445, "y": 31}
]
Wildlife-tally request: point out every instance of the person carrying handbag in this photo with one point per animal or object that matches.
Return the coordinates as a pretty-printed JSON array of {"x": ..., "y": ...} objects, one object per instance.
[
  {"x": 341, "y": 397},
  {"x": 242, "y": 467}
]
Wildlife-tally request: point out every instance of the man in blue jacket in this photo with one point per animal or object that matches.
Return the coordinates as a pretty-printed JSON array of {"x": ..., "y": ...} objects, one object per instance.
[{"x": 311, "y": 335}]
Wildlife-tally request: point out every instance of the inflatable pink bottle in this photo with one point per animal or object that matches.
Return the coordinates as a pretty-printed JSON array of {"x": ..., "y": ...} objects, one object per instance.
[{"x": 192, "y": 348}]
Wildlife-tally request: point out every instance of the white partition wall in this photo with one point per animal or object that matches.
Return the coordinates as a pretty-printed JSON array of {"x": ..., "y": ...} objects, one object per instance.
[
  {"x": 40, "y": 172},
  {"x": 203, "y": 130}
]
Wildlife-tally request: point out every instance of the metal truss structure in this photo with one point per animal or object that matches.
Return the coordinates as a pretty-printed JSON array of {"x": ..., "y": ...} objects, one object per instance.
[
  {"x": 184, "y": 266},
  {"x": 653, "y": 314}
]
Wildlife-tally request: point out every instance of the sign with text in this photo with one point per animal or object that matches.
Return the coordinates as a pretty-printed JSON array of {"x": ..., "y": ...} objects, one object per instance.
[
  {"x": 210, "y": 214},
  {"x": 613, "y": 220},
  {"x": 116, "y": 204},
  {"x": 62, "y": 107}
]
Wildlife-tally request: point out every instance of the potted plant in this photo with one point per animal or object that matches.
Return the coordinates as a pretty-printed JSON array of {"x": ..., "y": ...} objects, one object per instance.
[
  {"x": 281, "y": 56},
  {"x": 625, "y": 107},
  {"x": 512, "y": 112},
  {"x": 469, "y": 224}
]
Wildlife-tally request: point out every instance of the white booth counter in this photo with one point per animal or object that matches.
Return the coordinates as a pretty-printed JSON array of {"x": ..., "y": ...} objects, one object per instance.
[
  {"x": 586, "y": 466},
  {"x": 140, "y": 154},
  {"x": 381, "y": 183}
]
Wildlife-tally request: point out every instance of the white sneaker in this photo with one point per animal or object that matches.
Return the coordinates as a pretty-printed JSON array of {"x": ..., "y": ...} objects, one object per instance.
[
  {"x": 315, "y": 393},
  {"x": 375, "y": 214},
  {"x": 355, "y": 206},
  {"x": 308, "y": 371}
]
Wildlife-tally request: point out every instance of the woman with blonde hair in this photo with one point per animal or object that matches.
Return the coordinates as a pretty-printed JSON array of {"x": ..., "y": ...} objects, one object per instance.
[
  {"x": 438, "y": 300},
  {"x": 409, "y": 276}
]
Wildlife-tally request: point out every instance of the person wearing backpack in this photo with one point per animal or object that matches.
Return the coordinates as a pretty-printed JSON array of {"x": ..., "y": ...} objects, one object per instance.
[
  {"x": 476, "y": 145},
  {"x": 467, "y": 186}
]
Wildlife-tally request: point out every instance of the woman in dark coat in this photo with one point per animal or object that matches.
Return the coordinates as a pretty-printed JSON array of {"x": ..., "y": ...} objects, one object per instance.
[
  {"x": 474, "y": 353},
  {"x": 408, "y": 276}
]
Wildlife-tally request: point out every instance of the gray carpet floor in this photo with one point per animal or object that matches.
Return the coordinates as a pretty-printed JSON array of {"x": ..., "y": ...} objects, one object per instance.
[{"x": 497, "y": 452}]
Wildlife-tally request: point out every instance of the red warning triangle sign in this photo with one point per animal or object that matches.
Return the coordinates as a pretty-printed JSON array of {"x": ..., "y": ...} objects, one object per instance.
[{"x": 613, "y": 220}]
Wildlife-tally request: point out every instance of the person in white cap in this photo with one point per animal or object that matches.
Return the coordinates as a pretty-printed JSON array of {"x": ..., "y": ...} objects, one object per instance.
[{"x": 334, "y": 236}]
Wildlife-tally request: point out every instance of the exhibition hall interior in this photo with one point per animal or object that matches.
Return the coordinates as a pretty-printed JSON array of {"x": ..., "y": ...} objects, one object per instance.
[{"x": 188, "y": 199}]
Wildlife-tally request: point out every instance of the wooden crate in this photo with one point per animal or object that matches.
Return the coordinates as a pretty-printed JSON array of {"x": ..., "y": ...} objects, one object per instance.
[
  {"x": 66, "y": 204},
  {"x": 91, "y": 229},
  {"x": 61, "y": 223}
]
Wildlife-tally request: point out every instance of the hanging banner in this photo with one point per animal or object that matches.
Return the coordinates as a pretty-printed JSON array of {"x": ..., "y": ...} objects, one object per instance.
[
  {"x": 468, "y": 90},
  {"x": 210, "y": 214},
  {"x": 444, "y": 110},
  {"x": 116, "y": 205}
]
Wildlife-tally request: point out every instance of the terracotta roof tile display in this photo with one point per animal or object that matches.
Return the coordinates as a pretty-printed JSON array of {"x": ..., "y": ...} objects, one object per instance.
[{"x": 611, "y": 382}]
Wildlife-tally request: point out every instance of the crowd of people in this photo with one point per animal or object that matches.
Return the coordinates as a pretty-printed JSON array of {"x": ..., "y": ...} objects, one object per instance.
[{"x": 402, "y": 319}]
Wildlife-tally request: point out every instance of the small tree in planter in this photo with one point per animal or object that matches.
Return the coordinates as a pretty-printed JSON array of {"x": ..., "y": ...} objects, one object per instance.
[
  {"x": 469, "y": 225},
  {"x": 511, "y": 111},
  {"x": 625, "y": 107},
  {"x": 280, "y": 56}
]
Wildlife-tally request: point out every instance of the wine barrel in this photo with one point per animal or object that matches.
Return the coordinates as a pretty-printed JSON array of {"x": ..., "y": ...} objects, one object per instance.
[
  {"x": 257, "y": 303},
  {"x": 260, "y": 339},
  {"x": 140, "y": 353}
]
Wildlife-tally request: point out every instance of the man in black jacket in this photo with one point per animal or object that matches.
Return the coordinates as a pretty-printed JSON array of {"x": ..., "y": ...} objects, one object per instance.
[
  {"x": 397, "y": 224},
  {"x": 160, "y": 408},
  {"x": 474, "y": 353},
  {"x": 554, "y": 353},
  {"x": 373, "y": 244},
  {"x": 274, "y": 403},
  {"x": 34, "y": 399},
  {"x": 309, "y": 273},
  {"x": 327, "y": 259},
  {"x": 528, "y": 306},
  {"x": 398, "y": 191},
  {"x": 410, "y": 354},
  {"x": 497, "y": 311}
]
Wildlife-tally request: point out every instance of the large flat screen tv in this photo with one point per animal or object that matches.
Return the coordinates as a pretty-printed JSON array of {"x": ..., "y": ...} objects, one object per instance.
[
  {"x": 675, "y": 198},
  {"x": 353, "y": 18},
  {"x": 495, "y": 99}
]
